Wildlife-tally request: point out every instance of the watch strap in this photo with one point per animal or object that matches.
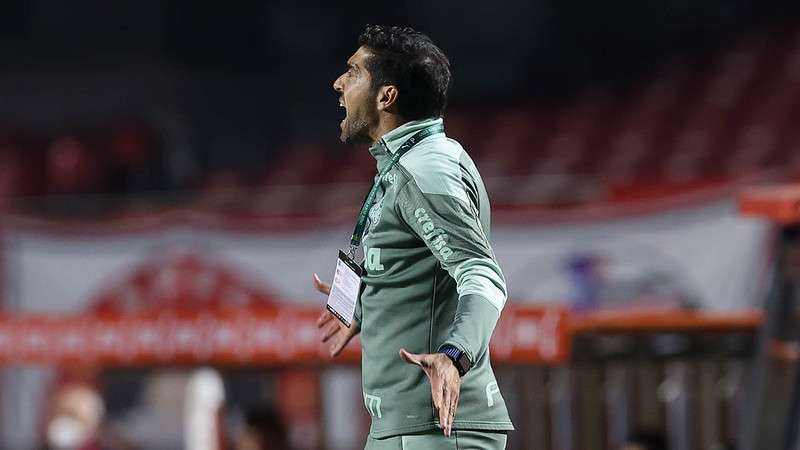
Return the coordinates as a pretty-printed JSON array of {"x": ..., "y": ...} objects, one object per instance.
[{"x": 459, "y": 358}]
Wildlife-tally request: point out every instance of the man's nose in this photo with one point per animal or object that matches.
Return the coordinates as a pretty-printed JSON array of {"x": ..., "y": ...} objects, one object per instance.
[{"x": 337, "y": 84}]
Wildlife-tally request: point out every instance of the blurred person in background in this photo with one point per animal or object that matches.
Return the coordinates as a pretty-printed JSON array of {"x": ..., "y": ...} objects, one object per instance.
[
  {"x": 77, "y": 414},
  {"x": 263, "y": 429},
  {"x": 204, "y": 400},
  {"x": 432, "y": 283},
  {"x": 600, "y": 282},
  {"x": 156, "y": 420}
]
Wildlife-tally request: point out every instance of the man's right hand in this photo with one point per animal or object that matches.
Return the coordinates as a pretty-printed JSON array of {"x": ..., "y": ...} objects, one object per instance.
[{"x": 331, "y": 328}]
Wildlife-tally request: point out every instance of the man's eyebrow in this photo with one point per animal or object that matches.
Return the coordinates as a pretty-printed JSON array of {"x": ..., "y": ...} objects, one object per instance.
[{"x": 352, "y": 65}]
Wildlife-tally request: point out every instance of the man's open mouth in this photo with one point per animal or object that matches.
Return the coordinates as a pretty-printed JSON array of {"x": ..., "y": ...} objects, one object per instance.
[{"x": 341, "y": 105}]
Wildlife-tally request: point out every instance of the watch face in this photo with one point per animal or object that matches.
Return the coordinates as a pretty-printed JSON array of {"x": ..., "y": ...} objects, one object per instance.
[
  {"x": 459, "y": 358},
  {"x": 464, "y": 362}
]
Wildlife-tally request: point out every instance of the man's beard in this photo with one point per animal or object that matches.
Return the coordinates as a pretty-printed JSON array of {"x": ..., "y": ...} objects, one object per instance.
[{"x": 356, "y": 131}]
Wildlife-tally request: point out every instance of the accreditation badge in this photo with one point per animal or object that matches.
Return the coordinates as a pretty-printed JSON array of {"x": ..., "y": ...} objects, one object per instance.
[{"x": 345, "y": 288}]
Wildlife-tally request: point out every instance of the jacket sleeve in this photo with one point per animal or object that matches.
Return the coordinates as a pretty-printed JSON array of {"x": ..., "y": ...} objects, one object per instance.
[{"x": 453, "y": 233}]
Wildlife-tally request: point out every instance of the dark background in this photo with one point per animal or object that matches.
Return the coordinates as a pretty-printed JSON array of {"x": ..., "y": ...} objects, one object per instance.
[{"x": 229, "y": 84}]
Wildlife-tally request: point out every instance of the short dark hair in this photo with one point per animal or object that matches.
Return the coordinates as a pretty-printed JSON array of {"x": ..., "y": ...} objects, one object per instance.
[{"x": 411, "y": 61}]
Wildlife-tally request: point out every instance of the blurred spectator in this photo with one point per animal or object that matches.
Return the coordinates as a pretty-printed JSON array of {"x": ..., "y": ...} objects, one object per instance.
[
  {"x": 587, "y": 276},
  {"x": 601, "y": 282},
  {"x": 156, "y": 421},
  {"x": 203, "y": 403},
  {"x": 263, "y": 429},
  {"x": 646, "y": 440},
  {"x": 78, "y": 412},
  {"x": 70, "y": 166}
]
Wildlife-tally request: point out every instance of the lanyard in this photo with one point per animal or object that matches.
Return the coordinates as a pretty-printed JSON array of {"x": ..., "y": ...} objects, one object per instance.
[{"x": 363, "y": 216}]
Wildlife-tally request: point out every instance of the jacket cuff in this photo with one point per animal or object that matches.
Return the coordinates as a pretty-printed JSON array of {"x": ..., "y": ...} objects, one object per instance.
[{"x": 472, "y": 326}]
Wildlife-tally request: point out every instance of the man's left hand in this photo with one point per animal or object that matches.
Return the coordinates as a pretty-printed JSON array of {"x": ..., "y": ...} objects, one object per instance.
[{"x": 445, "y": 383}]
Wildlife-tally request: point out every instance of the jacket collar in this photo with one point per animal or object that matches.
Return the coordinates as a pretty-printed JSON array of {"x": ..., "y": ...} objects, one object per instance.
[{"x": 391, "y": 141}]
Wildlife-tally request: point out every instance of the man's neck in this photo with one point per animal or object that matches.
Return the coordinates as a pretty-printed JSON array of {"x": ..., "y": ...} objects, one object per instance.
[{"x": 386, "y": 124}]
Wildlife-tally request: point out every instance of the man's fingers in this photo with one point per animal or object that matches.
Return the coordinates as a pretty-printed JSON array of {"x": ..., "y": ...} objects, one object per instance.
[
  {"x": 320, "y": 285},
  {"x": 324, "y": 318},
  {"x": 442, "y": 415},
  {"x": 411, "y": 358},
  {"x": 444, "y": 411},
  {"x": 452, "y": 411},
  {"x": 339, "y": 345},
  {"x": 437, "y": 403},
  {"x": 436, "y": 394},
  {"x": 423, "y": 361},
  {"x": 330, "y": 332}
]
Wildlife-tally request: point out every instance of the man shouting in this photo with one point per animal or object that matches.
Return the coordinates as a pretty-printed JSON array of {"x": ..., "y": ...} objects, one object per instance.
[{"x": 431, "y": 289}]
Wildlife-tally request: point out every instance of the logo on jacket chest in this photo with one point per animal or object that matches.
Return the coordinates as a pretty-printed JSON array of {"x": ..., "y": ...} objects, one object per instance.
[
  {"x": 375, "y": 214},
  {"x": 389, "y": 180}
]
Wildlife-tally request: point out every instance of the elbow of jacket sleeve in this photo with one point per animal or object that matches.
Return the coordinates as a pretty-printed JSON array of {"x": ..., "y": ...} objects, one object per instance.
[{"x": 483, "y": 278}]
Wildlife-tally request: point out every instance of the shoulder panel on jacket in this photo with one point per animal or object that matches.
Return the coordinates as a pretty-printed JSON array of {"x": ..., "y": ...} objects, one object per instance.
[{"x": 435, "y": 167}]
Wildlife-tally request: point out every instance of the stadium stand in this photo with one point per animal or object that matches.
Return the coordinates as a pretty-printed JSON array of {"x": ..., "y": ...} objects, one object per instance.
[
  {"x": 75, "y": 161},
  {"x": 672, "y": 130}
]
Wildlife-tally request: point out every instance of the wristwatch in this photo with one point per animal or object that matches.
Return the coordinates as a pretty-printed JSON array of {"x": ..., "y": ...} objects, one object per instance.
[{"x": 459, "y": 358}]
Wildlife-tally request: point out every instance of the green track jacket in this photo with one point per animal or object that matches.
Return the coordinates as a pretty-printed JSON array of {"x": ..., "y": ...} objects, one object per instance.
[{"x": 431, "y": 278}]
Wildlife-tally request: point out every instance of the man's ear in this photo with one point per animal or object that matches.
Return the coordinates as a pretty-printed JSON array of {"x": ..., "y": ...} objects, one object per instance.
[{"x": 387, "y": 98}]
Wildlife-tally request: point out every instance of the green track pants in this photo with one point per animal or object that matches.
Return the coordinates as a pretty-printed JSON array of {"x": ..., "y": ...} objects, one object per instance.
[{"x": 435, "y": 440}]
